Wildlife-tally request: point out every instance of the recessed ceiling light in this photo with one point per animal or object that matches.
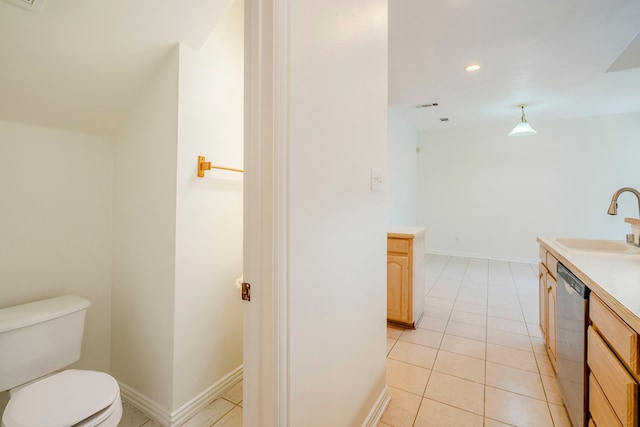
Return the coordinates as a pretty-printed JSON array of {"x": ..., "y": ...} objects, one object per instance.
[{"x": 472, "y": 67}]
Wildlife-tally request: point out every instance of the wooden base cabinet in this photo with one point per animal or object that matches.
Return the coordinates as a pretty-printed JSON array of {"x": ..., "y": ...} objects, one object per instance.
[
  {"x": 406, "y": 279},
  {"x": 612, "y": 358},
  {"x": 547, "y": 292}
]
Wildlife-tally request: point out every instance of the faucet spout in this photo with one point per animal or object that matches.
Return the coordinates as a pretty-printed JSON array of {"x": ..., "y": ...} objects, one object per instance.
[{"x": 613, "y": 207}]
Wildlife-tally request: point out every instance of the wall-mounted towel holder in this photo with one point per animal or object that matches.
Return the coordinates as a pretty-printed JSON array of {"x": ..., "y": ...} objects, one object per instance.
[{"x": 203, "y": 166}]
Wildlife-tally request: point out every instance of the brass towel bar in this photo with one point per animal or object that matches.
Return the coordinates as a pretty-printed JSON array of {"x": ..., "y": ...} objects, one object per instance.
[{"x": 203, "y": 166}]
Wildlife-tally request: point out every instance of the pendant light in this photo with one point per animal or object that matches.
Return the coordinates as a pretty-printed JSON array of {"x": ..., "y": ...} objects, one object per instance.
[{"x": 522, "y": 128}]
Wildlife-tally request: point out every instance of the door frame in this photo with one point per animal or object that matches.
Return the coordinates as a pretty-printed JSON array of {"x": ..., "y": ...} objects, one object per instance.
[{"x": 266, "y": 213}]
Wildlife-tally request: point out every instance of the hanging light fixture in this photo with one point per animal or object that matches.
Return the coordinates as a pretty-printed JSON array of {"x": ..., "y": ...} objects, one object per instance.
[{"x": 522, "y": 128}]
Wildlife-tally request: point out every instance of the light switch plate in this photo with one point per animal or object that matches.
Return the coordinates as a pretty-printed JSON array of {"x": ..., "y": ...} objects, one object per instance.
[{"x": 376, "y": 179}]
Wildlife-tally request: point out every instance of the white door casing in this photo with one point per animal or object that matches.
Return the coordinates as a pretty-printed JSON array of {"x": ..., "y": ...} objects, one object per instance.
[{"x": 266, "y": 201}]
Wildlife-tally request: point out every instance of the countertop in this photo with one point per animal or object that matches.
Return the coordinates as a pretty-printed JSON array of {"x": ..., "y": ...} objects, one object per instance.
[
  {"x": 614, "y": 278},
  {"x": 402, "y": 231}
]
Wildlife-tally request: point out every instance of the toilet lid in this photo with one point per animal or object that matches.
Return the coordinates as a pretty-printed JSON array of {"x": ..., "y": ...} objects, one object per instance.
[{"x": 61, "y": 400}]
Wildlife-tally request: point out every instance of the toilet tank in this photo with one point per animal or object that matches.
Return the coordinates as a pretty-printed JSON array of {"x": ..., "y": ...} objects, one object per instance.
[{"x": 39, "y": 338}]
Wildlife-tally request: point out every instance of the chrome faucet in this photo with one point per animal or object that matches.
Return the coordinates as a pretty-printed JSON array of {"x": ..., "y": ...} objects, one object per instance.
[{"x": 613, "y": 207}]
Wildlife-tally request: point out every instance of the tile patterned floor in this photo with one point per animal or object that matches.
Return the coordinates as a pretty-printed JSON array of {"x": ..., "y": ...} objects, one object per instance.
[
  {"x": 477, "y": 357},
  {"x": 225, "y": 411}
]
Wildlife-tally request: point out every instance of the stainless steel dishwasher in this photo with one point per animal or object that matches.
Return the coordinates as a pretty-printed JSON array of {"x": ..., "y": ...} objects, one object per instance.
[{"x": 571, "y": 323}]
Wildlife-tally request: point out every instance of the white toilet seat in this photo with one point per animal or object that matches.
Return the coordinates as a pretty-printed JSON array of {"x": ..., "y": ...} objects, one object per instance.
[{"x": 68, "y": 398}]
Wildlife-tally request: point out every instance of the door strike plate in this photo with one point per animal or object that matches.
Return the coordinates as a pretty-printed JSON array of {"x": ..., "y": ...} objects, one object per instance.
[{"x": 246, "y": 291}]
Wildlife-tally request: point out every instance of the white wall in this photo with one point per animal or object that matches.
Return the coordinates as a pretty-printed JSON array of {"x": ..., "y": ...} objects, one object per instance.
[
  {"x": 402, "y": 173},
  {"x": 177, "y": 328},
  {"x": 208, "y": 308},
  {"x": 55, "y": 233},
  {"x": 482, "y": 193},
  {"x": 144, "y": 239},
  {"x": 337, "y": 243}
]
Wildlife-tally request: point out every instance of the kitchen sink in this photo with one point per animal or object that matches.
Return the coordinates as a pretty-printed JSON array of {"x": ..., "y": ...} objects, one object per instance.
[{"x": 596, "y": 245}]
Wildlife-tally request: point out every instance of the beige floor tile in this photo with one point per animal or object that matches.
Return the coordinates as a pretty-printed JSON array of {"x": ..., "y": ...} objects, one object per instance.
[
  {"x": 437, "y": 312},
  {"x": 516, "y": 409},
  {"x": 384, "y": 425},
  {"x": 508, "y": 339},
  {"x": 390, "y": 343},
  {"x": 232, "y": 419},
  {"x": 436, "y": 414},
  {"x": 544, "y": 365},
  {"x": 534, "y": 330},
  {"x": 461, "y": 366},
  {"x": 472, "y": 290},
  {"x": 457, "y": 392},
  {"x": 488, "y": 422},
  {"x": 414, "y": 354},
  {"x": 407, "y": 377},
  {"x": 532, "y": 315},
  {"x": 538, "y": 345},
  {"x": 402, "y": 409},
  {"x": 433, "y": 324},
  {"x": 552, "y": 389},
  {"x": 515, "y": 380},
  {"x": 560, "y": 416},
  {"x": 466, "y": 346},
  {"x": 470, "y": 307},
  {"x": 131, "y": 416},
  {"x": 211, "y": 414},
  {"x": 468, "y": 318},
  {"x": 473, "y": 299},
  {"x": 422, "y": 336},
  {"x": 512, "y": 357},
  {"x": 394, "y": 331},
  {"x": 501, "y": 303},
  {"x": 507, "y": 325},
  {"x": 439, "y": 302},
  {"x": 513, "y": 313},
  {"x": 234, "y": 394},
  {"x": 475, "y": 332}
]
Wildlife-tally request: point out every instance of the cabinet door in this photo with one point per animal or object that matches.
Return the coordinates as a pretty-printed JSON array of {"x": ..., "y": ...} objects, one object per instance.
[
  {"x": 551, "y": 319},
  {"x": 398, "y": 301},
  {"x": 542, "y": 277}
]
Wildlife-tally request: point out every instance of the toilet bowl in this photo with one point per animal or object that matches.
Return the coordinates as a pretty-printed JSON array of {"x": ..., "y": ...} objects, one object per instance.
[
  {"x": 37, "y": 340},
  {"x": 69, "y": 398}
]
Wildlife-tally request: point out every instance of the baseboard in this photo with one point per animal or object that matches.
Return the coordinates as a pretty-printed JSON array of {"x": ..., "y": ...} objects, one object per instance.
[
  {"x": 163, "y": 416},
  {"x": 373, "y": 419},
  {"x": 484, "y": 256}
]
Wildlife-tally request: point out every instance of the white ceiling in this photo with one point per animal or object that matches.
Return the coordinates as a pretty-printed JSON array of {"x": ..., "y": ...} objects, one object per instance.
[
  {"x": 552, "y": 55},
  {"x": 80, "y": 63}
]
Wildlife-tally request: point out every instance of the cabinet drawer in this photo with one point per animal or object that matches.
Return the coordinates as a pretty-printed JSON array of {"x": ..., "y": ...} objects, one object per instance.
[
  {"x": 618, "y": 386},
  {"x": 552, "y": 265},
  {"x": 620, "y": 337},
  {"x": 398, "y": 246},
  {"x": 599, "y": 408}
]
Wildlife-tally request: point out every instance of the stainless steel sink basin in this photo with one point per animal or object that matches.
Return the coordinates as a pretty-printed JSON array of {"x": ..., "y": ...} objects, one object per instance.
[{"x": 595, "y": 245}]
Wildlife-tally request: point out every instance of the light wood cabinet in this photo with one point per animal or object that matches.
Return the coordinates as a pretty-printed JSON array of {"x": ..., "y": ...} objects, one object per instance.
[
  {"x": 547, "y": 293},
  {"x": 405, "y": 276},
  {"x": 612, "y": 348}
]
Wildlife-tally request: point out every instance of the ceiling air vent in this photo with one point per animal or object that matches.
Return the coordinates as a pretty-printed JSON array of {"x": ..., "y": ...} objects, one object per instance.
[
  {"x": 433, "y": 104},
  {"x": 31, "y": 5}
]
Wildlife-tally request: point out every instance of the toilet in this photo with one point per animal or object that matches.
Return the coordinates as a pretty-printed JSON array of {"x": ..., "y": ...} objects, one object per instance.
[{"x": 38, "y": 340}]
